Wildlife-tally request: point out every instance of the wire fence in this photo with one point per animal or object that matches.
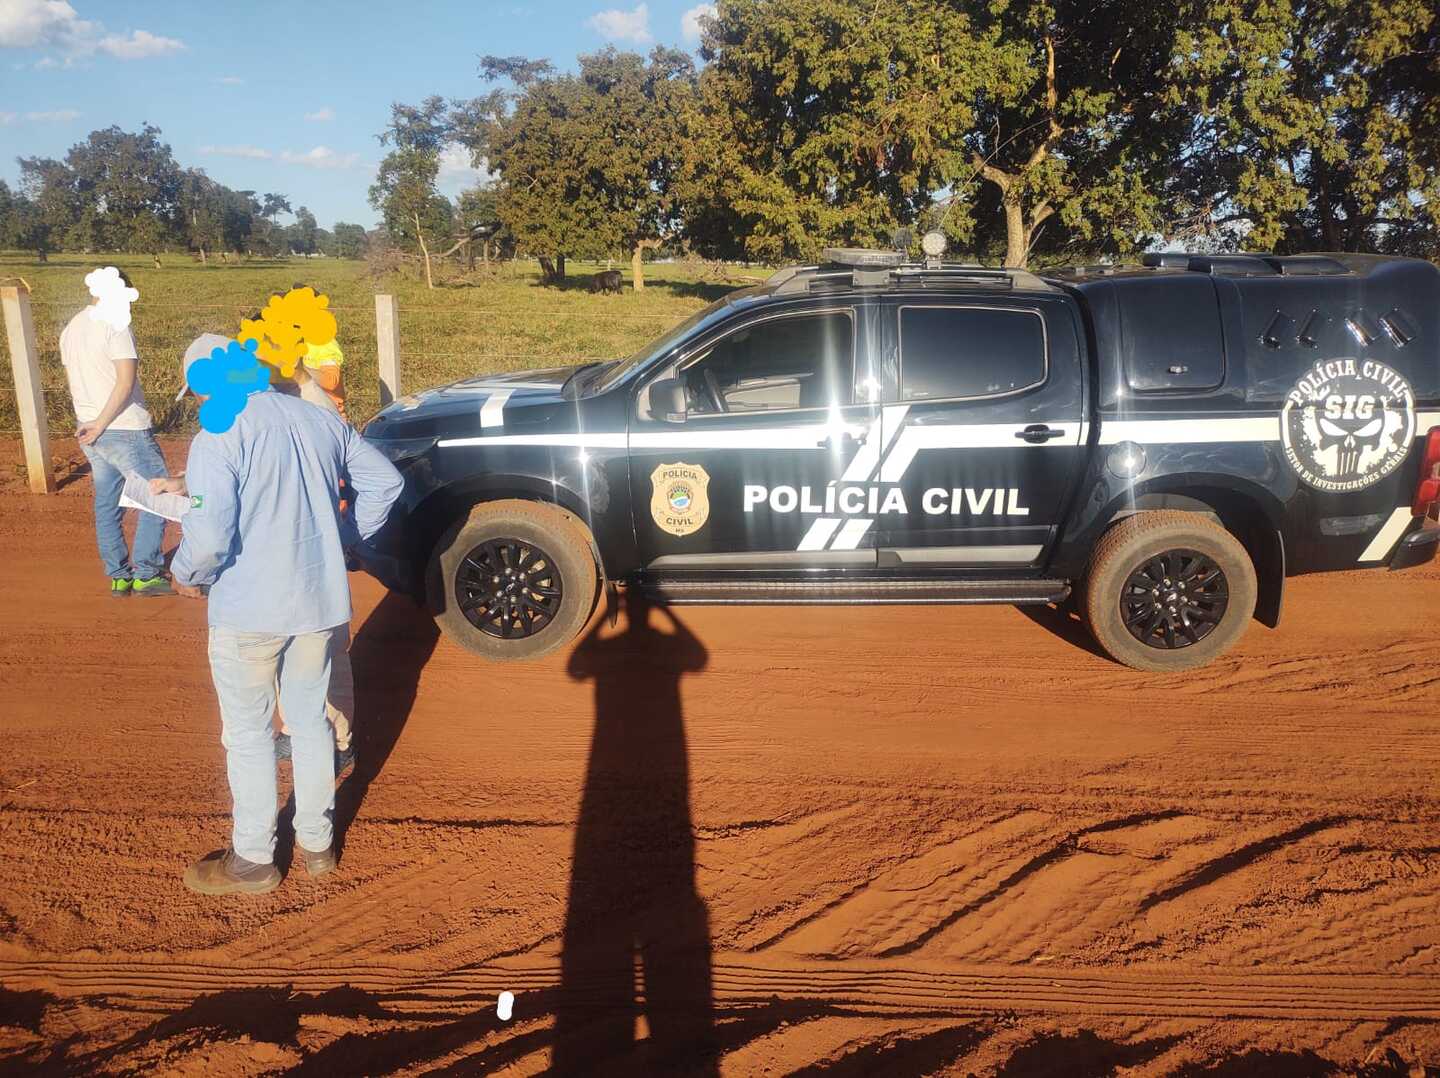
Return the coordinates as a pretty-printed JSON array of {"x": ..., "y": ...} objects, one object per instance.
[{"x": 438, "y": 344}]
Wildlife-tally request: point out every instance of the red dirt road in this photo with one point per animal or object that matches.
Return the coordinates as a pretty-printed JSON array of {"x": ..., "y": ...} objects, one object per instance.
[{"x": 832, "y": 842}]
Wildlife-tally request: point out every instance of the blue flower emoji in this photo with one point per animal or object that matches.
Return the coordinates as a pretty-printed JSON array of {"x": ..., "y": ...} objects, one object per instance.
[{"x": 226, "y": 377}]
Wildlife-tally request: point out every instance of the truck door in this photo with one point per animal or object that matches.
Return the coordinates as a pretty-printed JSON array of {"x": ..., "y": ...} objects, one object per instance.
[
  {"x": 983, "y": 429},
  {"x": 778, "y": 408}
]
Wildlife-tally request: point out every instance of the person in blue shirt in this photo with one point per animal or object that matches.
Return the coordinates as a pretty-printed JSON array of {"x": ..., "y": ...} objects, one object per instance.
[{"x": 265, "y": 535}]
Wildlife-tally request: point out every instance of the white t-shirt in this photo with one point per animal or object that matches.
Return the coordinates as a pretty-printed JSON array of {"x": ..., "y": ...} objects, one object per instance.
[{"x": 89, "y": 348}]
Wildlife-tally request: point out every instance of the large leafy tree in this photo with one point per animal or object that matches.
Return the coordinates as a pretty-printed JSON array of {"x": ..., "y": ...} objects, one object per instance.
[
  {"x": 1318, "y": 123},
  {"x": 820, "y": 121},
  {"x": 348, "y": 241},
  {"x": 588, "y": 162},
  {"x": 404, "y": 191},
  {"x": 302, "y": 234},
  {"x": 128, "y": 186},
  {"x": 836, "y": 121}
]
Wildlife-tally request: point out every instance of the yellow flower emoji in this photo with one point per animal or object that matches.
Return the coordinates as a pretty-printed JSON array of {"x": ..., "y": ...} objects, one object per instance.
[{"x": 287, "y": 324}]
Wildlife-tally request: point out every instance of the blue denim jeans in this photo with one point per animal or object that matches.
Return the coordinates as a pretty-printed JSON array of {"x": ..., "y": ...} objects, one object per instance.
[
  {"x": 112, "y": 455},
  {"x": 245, "y": 667}
]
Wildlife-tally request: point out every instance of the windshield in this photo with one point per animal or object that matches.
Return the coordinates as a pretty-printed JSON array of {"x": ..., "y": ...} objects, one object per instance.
[{"x": 659, "y": 346}]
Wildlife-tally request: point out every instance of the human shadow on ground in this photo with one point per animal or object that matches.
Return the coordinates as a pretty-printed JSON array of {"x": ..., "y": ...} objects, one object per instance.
[
  {"x": 387, "y": 655},
  {"x": 636, "y": 940}
]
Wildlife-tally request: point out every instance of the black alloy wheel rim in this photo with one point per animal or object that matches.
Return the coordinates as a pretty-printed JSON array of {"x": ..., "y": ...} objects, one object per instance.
[
  {"x": 1174, "y": 600},
  {"x": 508, "y": 588}
]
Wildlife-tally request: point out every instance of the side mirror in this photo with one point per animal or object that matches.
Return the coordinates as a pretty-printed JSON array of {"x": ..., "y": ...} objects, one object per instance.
[{"x": 667, "y": 400}]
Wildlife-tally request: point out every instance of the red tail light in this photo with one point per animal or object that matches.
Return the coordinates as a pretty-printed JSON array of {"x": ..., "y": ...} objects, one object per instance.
[{"x": 1428, "y": 492}]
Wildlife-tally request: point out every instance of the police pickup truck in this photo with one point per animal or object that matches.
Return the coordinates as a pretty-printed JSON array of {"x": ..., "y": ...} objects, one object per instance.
[{"x": 1168, "y": 442}]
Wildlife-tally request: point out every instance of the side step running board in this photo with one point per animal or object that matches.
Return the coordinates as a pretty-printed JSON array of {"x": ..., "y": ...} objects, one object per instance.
[{"x": 846, "y": 593}]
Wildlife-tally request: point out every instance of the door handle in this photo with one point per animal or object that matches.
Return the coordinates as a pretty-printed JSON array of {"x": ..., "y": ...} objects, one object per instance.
[{"x": 1039, "y": 433}]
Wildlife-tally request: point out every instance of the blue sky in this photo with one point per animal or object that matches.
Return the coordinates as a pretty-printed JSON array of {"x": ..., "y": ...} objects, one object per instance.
[{"x": 291, "y": 98}]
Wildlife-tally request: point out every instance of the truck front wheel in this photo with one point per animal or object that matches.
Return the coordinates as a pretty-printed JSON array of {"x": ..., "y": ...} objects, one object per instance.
[
  {"x": 1168, "y": 591},
  {"x": 513, "y": 579}
]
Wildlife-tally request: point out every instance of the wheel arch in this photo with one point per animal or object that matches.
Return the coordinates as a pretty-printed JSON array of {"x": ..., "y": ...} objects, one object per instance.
[
  {"x": 443, "y": 507},
  {"x": 1252, "y": 515}
]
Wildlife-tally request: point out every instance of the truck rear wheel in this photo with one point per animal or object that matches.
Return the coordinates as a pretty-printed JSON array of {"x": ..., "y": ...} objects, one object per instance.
[
  {"x": 513, "y": 579},
  {"x": 1168, "y": 591}
]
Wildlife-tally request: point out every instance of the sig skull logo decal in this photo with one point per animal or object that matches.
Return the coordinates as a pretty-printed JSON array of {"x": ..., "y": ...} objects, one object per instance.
[
  {"x": 680, "y": 498},
  {"x": 1348, "y": 423}
]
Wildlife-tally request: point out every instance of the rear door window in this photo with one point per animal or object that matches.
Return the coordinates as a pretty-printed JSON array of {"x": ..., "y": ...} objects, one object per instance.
[{"x": 969, "y": 352}]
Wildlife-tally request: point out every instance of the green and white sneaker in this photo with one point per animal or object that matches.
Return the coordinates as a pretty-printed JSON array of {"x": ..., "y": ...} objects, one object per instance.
[
  {"x": 120, "y": 586},
  {"x": 156, "y": 585}
]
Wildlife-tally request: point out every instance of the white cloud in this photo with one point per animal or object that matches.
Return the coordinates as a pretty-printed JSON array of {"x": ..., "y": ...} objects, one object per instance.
[
  {"x": 57, "y": 116},
  {"x": 54, "y": 24},
  {"x": 237, "y": 151},
  {"x": 321, "y": 157},
  {"x": 321, "y": 115},
  {"x": 456, "y": 173},
  {"x": 139, "y": 45},
  {"x": 690, "y": 27},
  {"x": 617, "y": 25},
  {"x": 231, "y": 80}
]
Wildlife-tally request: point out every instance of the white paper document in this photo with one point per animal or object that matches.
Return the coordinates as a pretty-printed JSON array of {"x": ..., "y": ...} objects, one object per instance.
[{"x": 136, "y": 495}]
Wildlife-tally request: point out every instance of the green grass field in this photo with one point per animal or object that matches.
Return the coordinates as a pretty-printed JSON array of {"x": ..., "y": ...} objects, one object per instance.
[{"x": 469, "y": 324}]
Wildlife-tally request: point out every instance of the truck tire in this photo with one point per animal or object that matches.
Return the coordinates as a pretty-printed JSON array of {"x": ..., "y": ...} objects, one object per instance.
[
  {"x": 513, "y": 579},
  {"x": 1168, "y": 591}
]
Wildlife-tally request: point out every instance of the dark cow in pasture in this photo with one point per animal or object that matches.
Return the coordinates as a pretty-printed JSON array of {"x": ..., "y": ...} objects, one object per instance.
[{"x": 609, "y": 281}]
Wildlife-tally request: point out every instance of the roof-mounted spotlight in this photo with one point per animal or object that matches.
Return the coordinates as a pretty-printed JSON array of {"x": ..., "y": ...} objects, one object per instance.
[{"x": 933, "y": 243}]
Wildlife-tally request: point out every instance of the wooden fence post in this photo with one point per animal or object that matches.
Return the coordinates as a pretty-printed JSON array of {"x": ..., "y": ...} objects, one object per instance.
[
  {"x": 387, "y": 345},
  {"x": 29, "y": 396}
]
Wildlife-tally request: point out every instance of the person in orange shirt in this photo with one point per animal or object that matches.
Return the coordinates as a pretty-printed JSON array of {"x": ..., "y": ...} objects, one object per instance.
[{"x": 323, "y": 362}]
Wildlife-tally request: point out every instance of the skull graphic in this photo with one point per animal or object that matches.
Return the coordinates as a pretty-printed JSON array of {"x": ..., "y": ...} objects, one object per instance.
[{"x": 1351, "y": 430}]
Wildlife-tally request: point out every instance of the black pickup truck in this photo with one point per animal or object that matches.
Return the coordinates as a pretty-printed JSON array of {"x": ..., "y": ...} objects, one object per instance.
[{"x": 1168, "y": 442}]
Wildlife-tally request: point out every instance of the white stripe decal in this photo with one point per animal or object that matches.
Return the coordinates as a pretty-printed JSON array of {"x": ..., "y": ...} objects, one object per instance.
[
  {"x": 492, "y": 412},
  {"x": 851, "y": 534},
  {"x": 1176, "y": 431},
  {"x": 807, "y": 437},
  {"x": 866, "y": 459},
  {"x": 579, "y": 440},
  {"x": 894, "y": 417},
  {"x": 1384, "y": 542},
  {"x": 819, "y": 534}
]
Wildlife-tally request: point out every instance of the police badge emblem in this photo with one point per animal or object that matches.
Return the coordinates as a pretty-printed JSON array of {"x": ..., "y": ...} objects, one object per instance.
[
  {"x": 1348, "y": 423},
  {"x": 680, "y": 498}
]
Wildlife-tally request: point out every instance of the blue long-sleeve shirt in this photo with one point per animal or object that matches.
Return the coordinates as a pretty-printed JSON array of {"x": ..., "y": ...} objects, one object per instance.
[{"x": 264, "y": 528}]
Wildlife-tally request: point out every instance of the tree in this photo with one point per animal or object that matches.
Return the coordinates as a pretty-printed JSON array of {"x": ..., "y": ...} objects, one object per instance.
[
  {"x": 834, "y": 122},
  {"x": 128, "y": 189},
  {"x": 589, "y": 162},
  {"x": 49, "y": 188},
  {"x": 404, "y": 189},
  {"x": 1317, "y": 122},
  {"x": 302, "y": 233},
  {"x": 202, "y": 211},
  {"x": 477, "y": 211},
  {"x": 349, "y": 241},
  {"x": 818, "y": 122}
]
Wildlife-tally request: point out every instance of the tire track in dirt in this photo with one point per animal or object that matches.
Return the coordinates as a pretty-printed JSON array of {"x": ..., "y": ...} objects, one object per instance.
[{"x": 739, "y": 979}]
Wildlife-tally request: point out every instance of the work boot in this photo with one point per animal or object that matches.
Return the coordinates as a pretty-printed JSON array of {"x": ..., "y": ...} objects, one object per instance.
[
  {"x": 225, "y": 872},
  {"x": 156, "y": 585},
  {"x": 120, "y": 587},
  {"x": 317, "y": 862}
]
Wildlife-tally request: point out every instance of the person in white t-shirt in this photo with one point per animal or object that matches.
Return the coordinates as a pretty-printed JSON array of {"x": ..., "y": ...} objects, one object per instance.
[{"x": 102, "y": 367}]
